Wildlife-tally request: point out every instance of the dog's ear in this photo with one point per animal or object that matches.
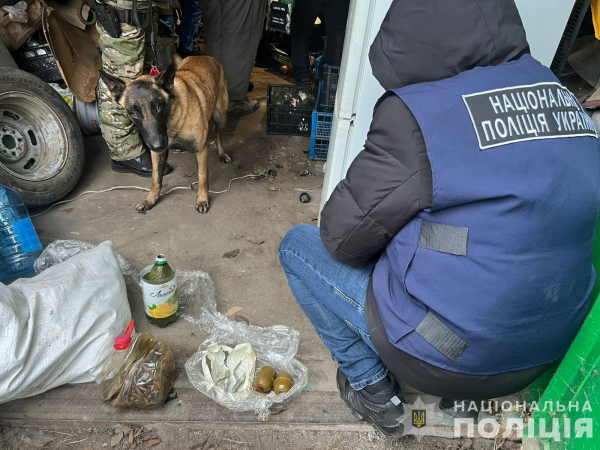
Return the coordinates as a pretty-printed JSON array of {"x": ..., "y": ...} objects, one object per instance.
[
  {"x": 114, "y": 85},
  {"x": 166, "y": 79}
]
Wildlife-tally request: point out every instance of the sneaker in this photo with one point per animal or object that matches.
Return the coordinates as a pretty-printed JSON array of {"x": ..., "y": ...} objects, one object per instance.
[
  {"x": 384, "y": 410},
  {"x": 459, "y": 409},
  {"x": 141, "y": 166},
  {"x": 239, "y": 108}
]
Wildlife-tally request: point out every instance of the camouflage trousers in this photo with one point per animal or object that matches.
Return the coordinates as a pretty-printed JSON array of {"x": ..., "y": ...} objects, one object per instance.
[{"x": 126, "y": 57}]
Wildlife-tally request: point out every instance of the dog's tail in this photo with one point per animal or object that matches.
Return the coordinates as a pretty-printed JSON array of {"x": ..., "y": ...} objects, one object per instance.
[{"x": 176, "y": 60}]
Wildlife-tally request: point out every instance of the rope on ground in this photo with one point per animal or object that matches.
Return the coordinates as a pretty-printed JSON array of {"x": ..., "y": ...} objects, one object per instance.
[{"x": 139, "y": 188}]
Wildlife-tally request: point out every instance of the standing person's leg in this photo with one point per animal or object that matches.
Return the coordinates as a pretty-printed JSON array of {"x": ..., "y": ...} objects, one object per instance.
[
  {"x": 124, "y": 58},
  {"x": 256, "y": 34},
  {"x": 303, "y": 21},
  {"x": 336, "y": 18},
  {"x": 332, "y": 295},
  {"x": 212, "y": 14},
  {"x": 241, "y": 27},
  {"x": 190, "y": 21}
]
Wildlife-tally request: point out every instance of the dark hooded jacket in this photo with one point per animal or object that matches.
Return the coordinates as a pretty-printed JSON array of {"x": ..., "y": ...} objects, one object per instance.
[{"x": 390, "y": 181}]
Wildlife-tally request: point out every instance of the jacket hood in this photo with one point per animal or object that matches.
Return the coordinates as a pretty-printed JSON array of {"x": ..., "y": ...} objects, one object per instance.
[{"x": 430, "y": 40}]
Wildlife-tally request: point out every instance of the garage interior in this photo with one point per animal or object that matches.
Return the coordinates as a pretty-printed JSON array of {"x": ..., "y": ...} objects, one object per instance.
[
  {"x": 262, "y": 209},
  {"x": 252, "y": 217}
]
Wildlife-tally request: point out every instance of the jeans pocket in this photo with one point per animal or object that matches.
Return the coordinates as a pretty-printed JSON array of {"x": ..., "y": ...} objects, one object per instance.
[{"x": 358, "y": 330}]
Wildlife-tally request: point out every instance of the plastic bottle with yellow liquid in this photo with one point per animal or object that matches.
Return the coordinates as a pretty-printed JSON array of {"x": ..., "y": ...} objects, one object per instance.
[{"x": 159, "y": 285}]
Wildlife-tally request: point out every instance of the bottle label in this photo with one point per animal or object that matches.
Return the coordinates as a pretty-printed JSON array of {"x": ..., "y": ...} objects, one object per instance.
[{"x": 161, "y": 300}]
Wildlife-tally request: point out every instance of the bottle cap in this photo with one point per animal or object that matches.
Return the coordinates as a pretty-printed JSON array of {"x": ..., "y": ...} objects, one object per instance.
[
  {"x": 161, "y": 259},
  {"x": 122, "y": 341}
]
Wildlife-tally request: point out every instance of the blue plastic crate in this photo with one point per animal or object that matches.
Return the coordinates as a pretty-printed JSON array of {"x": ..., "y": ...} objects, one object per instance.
[
  {"x": 321, "y": 124},
  {"x": 320, "y": 129},
  {"x": 319, "y": 147}
]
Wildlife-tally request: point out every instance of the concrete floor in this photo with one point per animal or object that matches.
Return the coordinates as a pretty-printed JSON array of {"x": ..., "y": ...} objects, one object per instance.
[{"x": 262, "y": 209}]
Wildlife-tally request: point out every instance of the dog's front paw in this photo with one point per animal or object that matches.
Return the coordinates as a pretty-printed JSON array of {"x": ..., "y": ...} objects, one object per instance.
[
  {"x": 202, "y": 207},
  {"x": 145, "y": 206},
  {"x": 225, "y": 158}
]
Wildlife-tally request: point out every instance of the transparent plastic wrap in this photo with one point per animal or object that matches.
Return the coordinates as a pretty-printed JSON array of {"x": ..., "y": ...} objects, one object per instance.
[
  {"x": 196, "y": 292},
  {"x": 274, "y": 346},
  {"x": 140, "y": 376},
  {"x": 195, "y": 288},
  {"x": 59, "y": 251}
]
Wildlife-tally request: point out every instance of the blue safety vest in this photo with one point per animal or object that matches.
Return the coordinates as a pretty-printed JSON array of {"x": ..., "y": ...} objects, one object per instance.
[{"x": 496, "y": 275}]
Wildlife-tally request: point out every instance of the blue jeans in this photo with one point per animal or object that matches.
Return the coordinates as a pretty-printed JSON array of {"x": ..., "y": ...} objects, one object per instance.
[
  {"x": 332, "y": 295},
  {"x": 190, "y": 20}
]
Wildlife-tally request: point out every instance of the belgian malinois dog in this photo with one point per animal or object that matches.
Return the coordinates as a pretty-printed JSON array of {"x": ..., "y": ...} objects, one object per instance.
[{"x": 173, "y": 110}]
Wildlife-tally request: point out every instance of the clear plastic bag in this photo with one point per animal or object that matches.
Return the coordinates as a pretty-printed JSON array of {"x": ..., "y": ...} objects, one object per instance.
[
  {"x": 274, "y": 346},
  {"x": 196, "y": 289},
  {"x": 140, "y": 376},
  {"x": 59, "y": 251},
  {"x": 196, "y": 292}
]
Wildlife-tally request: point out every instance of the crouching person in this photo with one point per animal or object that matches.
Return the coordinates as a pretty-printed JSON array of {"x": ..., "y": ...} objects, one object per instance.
[{"x": 456, "y": 256}]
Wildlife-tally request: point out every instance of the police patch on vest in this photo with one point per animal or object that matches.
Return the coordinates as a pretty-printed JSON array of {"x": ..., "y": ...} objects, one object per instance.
[{"x": 524, "y": 113}]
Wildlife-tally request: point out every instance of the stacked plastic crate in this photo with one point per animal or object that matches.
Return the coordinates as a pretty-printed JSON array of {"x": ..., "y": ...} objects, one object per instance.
[
  {"x": 323, "y": 114},
  {"x": 284, "y": 116}
]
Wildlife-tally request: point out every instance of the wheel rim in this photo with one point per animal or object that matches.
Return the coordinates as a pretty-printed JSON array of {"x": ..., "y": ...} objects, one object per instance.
[{"x": 33, "y": 141}]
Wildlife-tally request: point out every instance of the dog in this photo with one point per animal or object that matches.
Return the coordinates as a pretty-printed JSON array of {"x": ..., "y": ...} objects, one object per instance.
[{"x": 174, "y": 110}]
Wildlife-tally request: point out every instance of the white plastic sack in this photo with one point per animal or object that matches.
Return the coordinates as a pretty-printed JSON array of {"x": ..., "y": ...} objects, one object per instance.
[{"x": 59, "y": 326}]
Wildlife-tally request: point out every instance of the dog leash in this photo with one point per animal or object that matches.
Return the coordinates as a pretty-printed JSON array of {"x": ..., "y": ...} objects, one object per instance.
[
  {"x": 153, "y": 70},
  {"x": 149, "y": 20}
]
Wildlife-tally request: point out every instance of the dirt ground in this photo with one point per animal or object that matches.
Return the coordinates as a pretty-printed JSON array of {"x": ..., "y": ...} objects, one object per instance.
[
  {"x": 227, "y": 437},
  {"x": 73, "y": 417}
]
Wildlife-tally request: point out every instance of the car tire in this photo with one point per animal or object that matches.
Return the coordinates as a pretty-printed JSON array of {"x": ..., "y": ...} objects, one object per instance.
[{"x": 41, "y": 144}]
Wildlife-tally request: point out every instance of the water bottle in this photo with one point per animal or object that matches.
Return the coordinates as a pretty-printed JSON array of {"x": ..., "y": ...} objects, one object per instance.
[{"x": 19, "y": 243}]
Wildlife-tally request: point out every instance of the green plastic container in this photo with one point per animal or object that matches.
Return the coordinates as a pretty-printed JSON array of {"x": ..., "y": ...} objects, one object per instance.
[{"x": 575, "y": 382}]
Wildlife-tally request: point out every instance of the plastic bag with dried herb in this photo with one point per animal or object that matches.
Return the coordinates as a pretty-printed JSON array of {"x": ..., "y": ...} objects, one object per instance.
[{"x": 139, "y": 376}]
